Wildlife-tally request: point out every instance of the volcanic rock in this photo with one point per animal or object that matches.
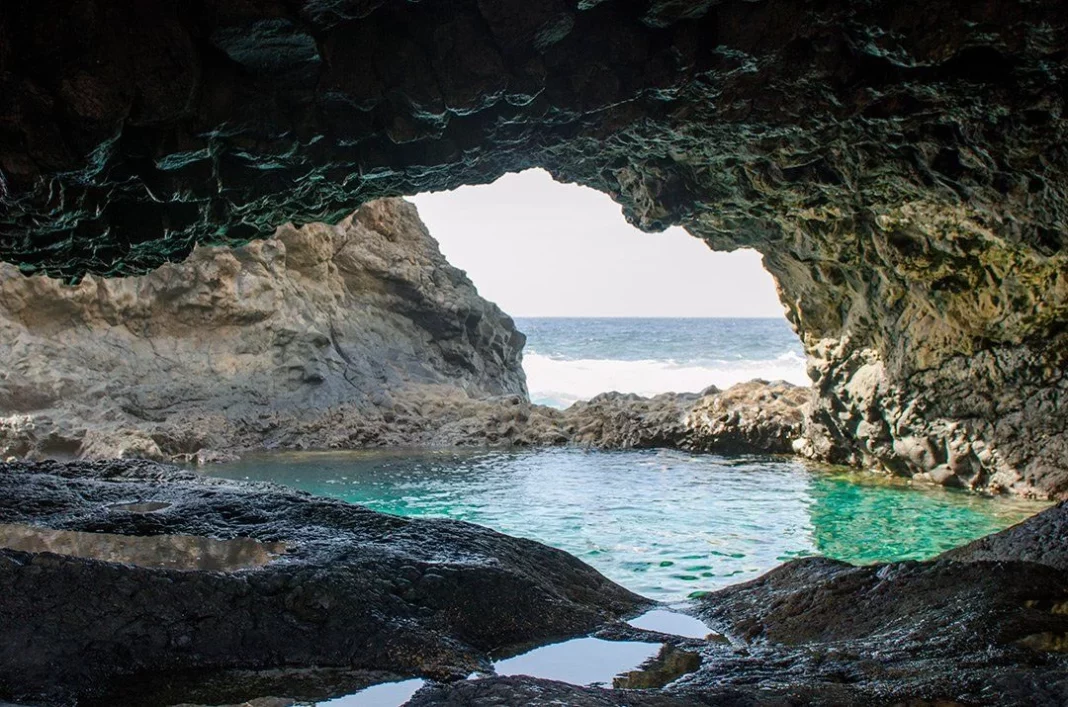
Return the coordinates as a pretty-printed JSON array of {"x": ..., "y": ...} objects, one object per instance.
[
  {"x": 966, "y": 628},
  {"x": 331, "y": 585},
  {"x": 899, "y": 164}
]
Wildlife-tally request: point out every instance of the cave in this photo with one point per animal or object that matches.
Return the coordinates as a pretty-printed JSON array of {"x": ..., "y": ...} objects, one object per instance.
[{"x": 900, "y": 166}]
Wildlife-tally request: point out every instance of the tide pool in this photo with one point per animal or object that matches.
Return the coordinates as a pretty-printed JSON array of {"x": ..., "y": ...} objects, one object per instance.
[{"x": 665, "y": 524}]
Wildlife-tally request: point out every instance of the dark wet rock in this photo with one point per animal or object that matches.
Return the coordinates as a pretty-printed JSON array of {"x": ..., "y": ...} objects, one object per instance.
[
  {"x": 280, "y": 686},
  {"x": 355, "y": 589},
  {"x": 823, "y": 601},
  {"x": 361, "y": 598},
  {"x": 887, "y": 634},
  {"x": 818, "y": 632},
  {"x": 538, "y": 693},
  {"x": 821, "y": 632},
  {"x": 1042, "y": 538},
  {"x": 899, "y": 164}
]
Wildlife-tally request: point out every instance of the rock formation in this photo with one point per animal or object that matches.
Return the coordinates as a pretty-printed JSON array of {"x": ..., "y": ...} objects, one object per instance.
[
  {"x": 246, "y": 347},
  {"x": 982, "y": 631},
  {"x": 754, "y": 417},
  {"x": 330, "y": 337},
  {"x": 377, "y": 595},
  {"x": 320, "y": 337},
  {"x": 757, "y": 417},
  {"x": 900, "y": 165},
  {"x": 324, "y": 598}
]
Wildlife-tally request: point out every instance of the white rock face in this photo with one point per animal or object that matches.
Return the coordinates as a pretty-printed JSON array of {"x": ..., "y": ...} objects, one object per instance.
[{"x": 242, "y": 347}]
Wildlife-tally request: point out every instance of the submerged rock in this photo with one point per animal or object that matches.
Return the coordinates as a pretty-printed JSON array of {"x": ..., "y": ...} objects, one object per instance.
[{"x": 352, "y": 588}]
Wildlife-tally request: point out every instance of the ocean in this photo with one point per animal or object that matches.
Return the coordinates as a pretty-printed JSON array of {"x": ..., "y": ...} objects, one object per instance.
[{"x": 575, "y": 358}]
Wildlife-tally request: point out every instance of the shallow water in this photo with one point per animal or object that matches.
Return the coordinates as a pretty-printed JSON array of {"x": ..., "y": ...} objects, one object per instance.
[
  {"x": 672, "y": 622},
  {"x": 181, "y": 552},
  {"x": 387, "y": 694},
  {"x": 665, "y": 524},
  {"x": 579, "y": 661}
]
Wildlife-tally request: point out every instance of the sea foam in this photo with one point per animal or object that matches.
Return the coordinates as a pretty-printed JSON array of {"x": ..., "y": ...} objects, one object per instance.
[{"x": 559, "y": 382}]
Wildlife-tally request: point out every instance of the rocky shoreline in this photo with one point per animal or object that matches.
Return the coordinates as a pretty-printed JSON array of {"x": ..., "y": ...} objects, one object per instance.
[
  {"x": 323, "y": 337},
  {"x": 345, "y": 597},
  {"x": 363, "y": 335},
  {"x": 899, "y": 165}
]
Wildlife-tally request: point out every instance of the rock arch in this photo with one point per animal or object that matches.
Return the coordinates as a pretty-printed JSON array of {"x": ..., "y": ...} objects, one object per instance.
[{"x": 901, "y": 166}]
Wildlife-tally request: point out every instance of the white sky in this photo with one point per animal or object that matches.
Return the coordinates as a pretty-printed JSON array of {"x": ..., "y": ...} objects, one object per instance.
[{"x": 537, "y": 247}]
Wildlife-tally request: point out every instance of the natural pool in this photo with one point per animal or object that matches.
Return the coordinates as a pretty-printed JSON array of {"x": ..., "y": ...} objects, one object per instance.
[{"x": 665, "y": 524}]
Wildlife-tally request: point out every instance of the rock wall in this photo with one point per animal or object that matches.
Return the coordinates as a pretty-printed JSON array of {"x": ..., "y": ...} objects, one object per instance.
[
  {"x": 900, "y": 164},
  {"x": 321, "y": 337},
  {"x": 246, "y": 346}
]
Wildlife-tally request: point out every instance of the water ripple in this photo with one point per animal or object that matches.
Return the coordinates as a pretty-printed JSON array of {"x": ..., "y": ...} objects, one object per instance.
[{"x": 665, "y": 524}]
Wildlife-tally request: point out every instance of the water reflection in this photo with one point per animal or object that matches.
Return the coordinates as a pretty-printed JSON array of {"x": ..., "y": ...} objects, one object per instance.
[
  {"x": 670, "y": 664},
  {"x": 580, "y": 661},
  {"x": 673, "y": 623},
  {"x": 185, "y": 552},
  {"x": 388, "y": 694}
]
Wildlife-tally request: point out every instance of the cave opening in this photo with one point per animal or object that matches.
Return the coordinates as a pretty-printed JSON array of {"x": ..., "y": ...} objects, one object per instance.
[
  {"x": 899, "y": 166},
  {"x": 604, "y": 306}
]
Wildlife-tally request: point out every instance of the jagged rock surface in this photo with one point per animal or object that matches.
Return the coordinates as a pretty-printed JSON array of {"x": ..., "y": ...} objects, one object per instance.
[
  {"x": 352, "y": 336},
  {"x": 982, "y": 631},
  {"x": 354, "y": 589},
  {"x": 246, "y": 347},
  {"x": 753, "y": 417},
  {"x": 900, "y": 164},
  {"x": 360, "y": 597},
  {"x": 1042, "y": 538}
]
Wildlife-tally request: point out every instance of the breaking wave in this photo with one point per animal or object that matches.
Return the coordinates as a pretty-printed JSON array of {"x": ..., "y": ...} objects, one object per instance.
[{"x": 559, "y": 381}]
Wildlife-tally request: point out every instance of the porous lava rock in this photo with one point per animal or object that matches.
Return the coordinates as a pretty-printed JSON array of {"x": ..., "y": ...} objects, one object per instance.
[
  {"x": 756, "y": 417},
  {"x": 246, "y": 347},
  {"x": 356, "y": 597},
  {"x": 354, "y": 589},
  {"x": 900, "y": 165}
]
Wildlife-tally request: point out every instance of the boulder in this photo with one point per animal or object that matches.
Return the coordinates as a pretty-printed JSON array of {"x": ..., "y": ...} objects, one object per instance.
[{"x": 131, "y": 572}]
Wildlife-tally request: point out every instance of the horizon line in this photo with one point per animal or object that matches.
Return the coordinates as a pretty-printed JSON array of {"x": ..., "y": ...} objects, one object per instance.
[{"x": 647, "y": 316}]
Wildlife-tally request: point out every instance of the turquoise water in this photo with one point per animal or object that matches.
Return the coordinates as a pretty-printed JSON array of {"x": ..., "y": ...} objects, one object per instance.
[
  {"x": 665, "y": 524},
  {"x": 569, "y": 359}
]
